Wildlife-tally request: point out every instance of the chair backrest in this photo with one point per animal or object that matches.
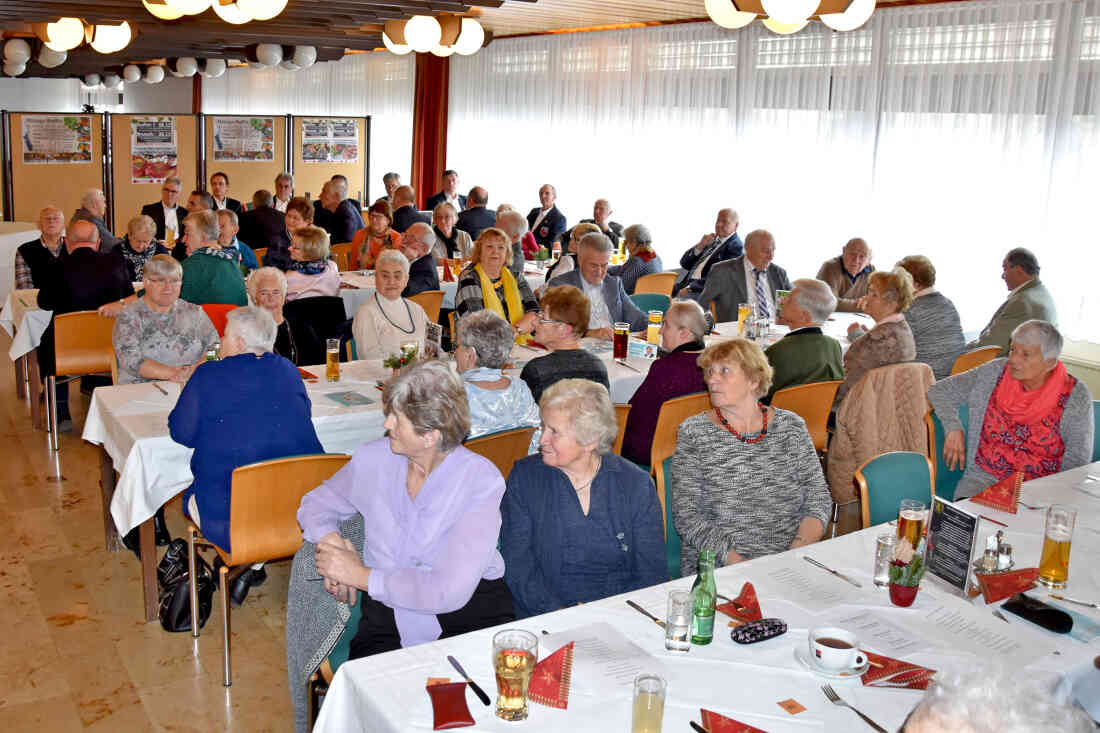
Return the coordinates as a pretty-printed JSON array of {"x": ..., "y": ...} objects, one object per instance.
[
  {"x": 621, "y": 414},
  {"x": 114, "y": 366},
  {"x": 672, "y": 413},
  {"x": 813, "y": 403},
  {"x": 673, "y": 543},
  {"x": 658, "y": 282},
  {"x": 261, "y": 252},
  {"x": 503, "y": 448},
  {"x": 1096, "y": 430},
  {"x": 945, "y": 479},
  {"x": 82, "y": 343},
  {"x": 341, "y": 254},
  {"x": 970, "y": 359},
  {"x": 431, "y": 301},
  {"x": 651, "y": 301},
  {"x": 888, "y": 478},
  {"x": 263, "y": 504},
  {"x": 454, "y": 329},
  {"x": 217, "y": 313},
  {"x": 312, "y": 321}
]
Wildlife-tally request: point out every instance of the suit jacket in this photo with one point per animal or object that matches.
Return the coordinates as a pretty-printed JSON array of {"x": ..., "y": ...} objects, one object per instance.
[
  {"x": 422, "y": 276},
  {"x": 439, "y": 198},
  {"x": 107, "y": 241},
  {"x": 341, "y": 224},
  {"x": 550, "y": 228},
  {"x": 231, "y": 205},
  {"x": 1032, "y": 300},
  {"x": 266, "y": 227},
  {"x": 727, "y": 287},
  {"x": 475, "y": 220},
  {"x": 406, "y": 216},
  {"x": 614, "y": 232},
  {"x": 727, "y": 250},
  {"x": 155, "y": 211},
  {"x": 619, "y": 304}
]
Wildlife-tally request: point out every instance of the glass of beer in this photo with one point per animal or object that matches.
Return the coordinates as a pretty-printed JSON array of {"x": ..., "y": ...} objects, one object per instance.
[
  {"x": 514, "y": 655},
  {"x": 744, "y": 310},
  {"x": 332, "y": 360},
  {"x": 653, "y": 332},
  {"x": 1057, "y": 539},
  {"x": 649, "y": 703},
  {"x": 169, "y": 237},
  {"x": 620, "y": 340},
  {"x": 911, "y": 516}
]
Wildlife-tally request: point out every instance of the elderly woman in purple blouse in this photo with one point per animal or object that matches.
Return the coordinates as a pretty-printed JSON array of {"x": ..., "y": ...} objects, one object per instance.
[{"x": 431, "y": 513}]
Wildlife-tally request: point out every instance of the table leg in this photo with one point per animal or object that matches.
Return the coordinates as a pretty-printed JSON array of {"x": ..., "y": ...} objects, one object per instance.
[
  {"x": 20, "y": 377},
  {"x": 34, "y": 387},
  {"x": 149, "y": 569},
  {"x": 107, "y": 490}
]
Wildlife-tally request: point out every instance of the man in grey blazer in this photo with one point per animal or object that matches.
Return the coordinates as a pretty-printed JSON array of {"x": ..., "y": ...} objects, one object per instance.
[
  {"x": 751, "y": 278},
  {"x": 1027, "y": 298},
  {"x": 605, "y": 293}
]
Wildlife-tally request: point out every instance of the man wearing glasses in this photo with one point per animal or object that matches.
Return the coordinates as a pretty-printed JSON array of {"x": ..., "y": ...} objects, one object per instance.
[{"x": 167, "y": 213}]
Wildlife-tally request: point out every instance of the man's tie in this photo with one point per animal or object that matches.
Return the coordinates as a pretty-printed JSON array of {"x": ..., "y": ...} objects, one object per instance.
[{"x": 761, "y": 294}]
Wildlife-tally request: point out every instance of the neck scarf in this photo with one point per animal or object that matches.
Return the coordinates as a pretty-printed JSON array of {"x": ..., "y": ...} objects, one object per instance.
[
  {"x": 223, "y": 254},
  {"x": 316, "y": 267},
  {"x": 689, "y": 346},
  {"x": 451, "y": 242},
  {"x": 137, "y": 259},
  {"x": 511, "y": 297}
]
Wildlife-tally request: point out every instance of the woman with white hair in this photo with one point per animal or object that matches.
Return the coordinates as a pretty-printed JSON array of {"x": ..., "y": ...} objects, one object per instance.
[
  {"x": 496, "y": 402},
  {"x": 450, "y": 242},
  {"x": 1027, "y": 413},
  {"x": 580, "y": 523},
  {"x": 267, "y": 288},
  {"x": 138, "y": 246},
  {"x": 643, "y": 259},
  {"x": 386, "y": 320},
  {"x": 250, "y": 406},
  {"x": 431, "y": 516}
]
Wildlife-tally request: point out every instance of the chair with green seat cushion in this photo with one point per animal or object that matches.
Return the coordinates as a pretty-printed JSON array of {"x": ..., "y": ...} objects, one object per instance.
[
  {"x": 340, "y": 652},
  {"x": 651, "y": 301},
  {"x": 1096, "y": 430},
  {"x": 946, "y": 478},
  {"x": 672, "y": 537},
  {"x": 890, "y": 477}
]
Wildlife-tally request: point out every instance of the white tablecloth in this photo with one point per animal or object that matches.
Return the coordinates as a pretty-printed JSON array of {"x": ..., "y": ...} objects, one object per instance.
[
  {"x": 24, "y": 321},
  {"x": 13, "y": 234},
  {"x": 386, "y": 693}
]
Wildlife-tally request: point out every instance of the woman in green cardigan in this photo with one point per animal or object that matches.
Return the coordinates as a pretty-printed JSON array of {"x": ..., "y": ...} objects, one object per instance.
[{"x": 211, "y": 274}]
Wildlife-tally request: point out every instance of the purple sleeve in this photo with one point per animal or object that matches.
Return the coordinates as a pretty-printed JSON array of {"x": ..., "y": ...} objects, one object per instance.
[{"x": 325, "y": 507}]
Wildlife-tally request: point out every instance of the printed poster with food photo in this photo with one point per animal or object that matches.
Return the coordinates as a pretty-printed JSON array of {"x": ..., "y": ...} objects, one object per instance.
[
  {"x": 330, "y": 141},
  {"x": 153, "y": 149},
  {"x": 244, "y": 139},
  {"x": 57, "y": 139}
]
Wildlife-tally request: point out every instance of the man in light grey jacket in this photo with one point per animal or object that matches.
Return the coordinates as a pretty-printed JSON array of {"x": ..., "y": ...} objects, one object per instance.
[
  {"x": 1027, "y": 299},
  {"x": 605, "y": 293},
  {"x": 751, "y": 278}
]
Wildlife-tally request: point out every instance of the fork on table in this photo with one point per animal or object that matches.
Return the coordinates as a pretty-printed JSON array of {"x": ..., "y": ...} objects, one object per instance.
[
  {"x": 835, "y": 699},
  {"x": 1032, "y": 507}
]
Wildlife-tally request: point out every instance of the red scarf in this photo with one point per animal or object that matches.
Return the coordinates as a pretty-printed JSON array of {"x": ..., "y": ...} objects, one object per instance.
[
  {"x": 1021, "y": 430},
  {"x": 646, "y": 255}
]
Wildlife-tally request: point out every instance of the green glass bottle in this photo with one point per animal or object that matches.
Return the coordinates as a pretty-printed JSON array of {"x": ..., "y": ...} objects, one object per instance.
[{"x": 703, "y": 595}]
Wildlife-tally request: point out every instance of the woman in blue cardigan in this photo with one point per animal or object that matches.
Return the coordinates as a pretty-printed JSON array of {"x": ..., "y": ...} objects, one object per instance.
[
  {"x": 579, "y": 523},
  {"x": 251, "y": 406}
]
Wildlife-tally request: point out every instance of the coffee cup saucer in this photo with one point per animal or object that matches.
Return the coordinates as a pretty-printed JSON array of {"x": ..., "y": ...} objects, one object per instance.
[{"x": 804, "y": 659}]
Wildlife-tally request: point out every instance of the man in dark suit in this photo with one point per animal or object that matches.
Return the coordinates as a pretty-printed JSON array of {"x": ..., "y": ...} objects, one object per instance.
[
  {"x": 605, "y": 293},
  {"x": 547, "y": 223},
  {"x": 263, "y": 226},
  {"x": 476, "y": 217},
  {"x": 93, "y": 208},
  {"x": 336, "y": 214},
  {"x": 751, "y": 278},
  {"x": 601, "y": 217},
  {"x": 449, "y": 193},
  {"x": 167, "y": 213},
  {"x": 219, "y": 189},
  {"x": 404, "y": 210},
  {"x": 722, "y": 245},
  {"x": 416, "y": 244}
]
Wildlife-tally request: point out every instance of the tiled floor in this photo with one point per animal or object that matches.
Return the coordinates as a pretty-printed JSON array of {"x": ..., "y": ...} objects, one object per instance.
[{"x": 75, "y": 653}]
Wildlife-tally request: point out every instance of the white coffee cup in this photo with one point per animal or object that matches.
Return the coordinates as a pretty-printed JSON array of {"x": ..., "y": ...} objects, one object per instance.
[{"x": 835, "y": 649}]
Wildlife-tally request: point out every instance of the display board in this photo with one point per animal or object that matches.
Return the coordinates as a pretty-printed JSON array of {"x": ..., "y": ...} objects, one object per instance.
[
  {"x": 145, "y": 149},
  {"x": 55, "y": 158},
  {"x": 250, "y": 150},
  {"x": 325, "y": 146}
]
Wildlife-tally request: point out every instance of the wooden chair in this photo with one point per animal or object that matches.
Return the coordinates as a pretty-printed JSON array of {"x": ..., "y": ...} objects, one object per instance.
[
  {"x": 263, "y": 523},
  {"x": 431, "y": 301},
  {"x": 890, "y": 477},
  {"x": 82, "y": 346},
  {"x": 658, "y": 282},
  {"x": 260, "y": 254},
  {"x": 1096, "y": 430},
  {"x": 503, "y": 448},
  {"x": 970, "y": 359},
  {"x": 341, "y": 253},
  {"x": 217, "y": 313},
  {"x": 813, "y": 403},
  {"x": 621, "y": 414}
]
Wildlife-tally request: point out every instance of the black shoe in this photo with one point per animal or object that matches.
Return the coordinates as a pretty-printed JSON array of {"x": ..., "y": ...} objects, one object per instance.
[
  {"x": 132, "y": 542},
  {"x": 244, "y": 582},
  {"x": 160, "y": 530}
]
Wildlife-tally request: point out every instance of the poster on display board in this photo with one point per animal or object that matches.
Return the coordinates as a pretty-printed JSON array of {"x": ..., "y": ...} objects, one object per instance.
[
  {"x": 244, "y": 139},
  {"x": 153, "y": 149},
  {"x": 57, "y": 139},
  {"x": 330, "y": 141}
]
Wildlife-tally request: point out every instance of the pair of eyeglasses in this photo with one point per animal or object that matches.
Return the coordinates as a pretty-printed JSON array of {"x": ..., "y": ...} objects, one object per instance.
[
  {"x": 544, "y": 319},
  {"x": 161, "y": 281}
]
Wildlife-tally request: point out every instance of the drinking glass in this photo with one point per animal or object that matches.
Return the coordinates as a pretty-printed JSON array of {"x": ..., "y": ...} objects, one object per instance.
[
  {"x": 678, "y": 621},
  {"x": 1057, "y": 540},
  {"x": 744, "y": 310},
  {"x": 911, "y": 516},
  {"x": 332, "y": 360},
  {"x": 653, "y": 332},
  {"x": 514, "y": 655},
  {"x": 649, "y": 703},
  {"x": 621, "y": 340},
  {"x": 884, "y": 553}
]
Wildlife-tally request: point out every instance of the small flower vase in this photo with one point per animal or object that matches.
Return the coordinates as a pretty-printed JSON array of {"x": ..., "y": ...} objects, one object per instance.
[{"x": 903, "y": 595}]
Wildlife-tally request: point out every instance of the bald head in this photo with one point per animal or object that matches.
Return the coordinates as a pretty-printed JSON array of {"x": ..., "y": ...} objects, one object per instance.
[
  {"x": 478, "y": 196},
  {"x": 403, "y": 196},
  {"x": 601, "y": 212},
  {"x": 760, "y": 248},
  {"x": 726, "y": 223},
  {"x": 81, "y": 234}
]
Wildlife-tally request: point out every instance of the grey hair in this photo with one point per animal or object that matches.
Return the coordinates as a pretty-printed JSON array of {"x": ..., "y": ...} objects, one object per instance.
[
  {"x": 254, "y": 326},
  {"x": 341, "y": 187},
  {"x": 426, "y": 236},
  {"x": 163, "y": 266},
  {"x": 229, "y": 214},
  {"x": 141, "y": 223},
  {"x": 1039, "y": 333},
  {"x": 688, "y": 314},
  {"x": 395, "y": 256},
  {"x": 639, "y": 234},
  {"x": 432, "y": 397},
  {"x": 207, "y": 223},
  {"x": 518, "y": 220},
  {"x": 175, "y": 180},
  {"x": 596, "y": 241},
  {"x": 252, "y": 284},
  {"x": 285, "y": 176},
  {"x": 490, "y": 336},
  {"x": 816, "y": 297},
  {"x": 262, "y": 198},
  {"x": 1025, "y": 259},
  {"x": 591, "y": 414},
  {"x": 92, "y": 195},
  {"x": 391, "y": 177}
]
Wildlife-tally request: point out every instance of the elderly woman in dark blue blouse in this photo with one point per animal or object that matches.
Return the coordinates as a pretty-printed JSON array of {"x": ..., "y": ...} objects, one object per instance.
[{"x": 579, "y": 523}]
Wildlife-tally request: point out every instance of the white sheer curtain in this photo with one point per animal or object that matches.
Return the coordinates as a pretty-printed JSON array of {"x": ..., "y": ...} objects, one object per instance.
[
  {"x": 375, "y": 84},
  {"x": 954, "y": 130},
  {"x": 40, "y": 95}
]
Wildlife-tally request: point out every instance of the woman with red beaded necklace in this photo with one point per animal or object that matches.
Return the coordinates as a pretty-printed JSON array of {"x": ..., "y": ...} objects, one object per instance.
[{"x": 746, "y": 480}]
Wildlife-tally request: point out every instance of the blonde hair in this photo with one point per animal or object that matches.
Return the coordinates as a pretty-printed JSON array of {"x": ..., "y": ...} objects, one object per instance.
[
  {"x": 313, "y": 241},
  {"x": 141, "y": 224},
  {"x": 896, "y": 286},
  {"x": 588, "y": 405},
  {"x": 475, "y": 256},
  {"x": 921, "y": 268},
  {"x": 747, "y": 355}
]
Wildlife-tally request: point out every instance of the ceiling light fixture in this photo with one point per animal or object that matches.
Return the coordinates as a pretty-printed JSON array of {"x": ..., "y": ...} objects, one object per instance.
[
  {"x": 784, "y": 29},
  {"x": 858, "y": 13},
  {"x": 231, "y": 12},
  {"x": 65, "y": 34},
  {"x": 423, "y": 33},
  {"x": 790, "y": 16},
  {"x": 188, "y": 7},
  {"x": 726, "y": 14},
  {"x": 161, "y": 10},
  {"x": 109, "y": 38},
  {"x": 790, "y": 11}
]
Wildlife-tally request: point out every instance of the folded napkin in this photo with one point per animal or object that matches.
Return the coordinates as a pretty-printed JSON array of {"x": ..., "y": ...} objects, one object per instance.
[
  {"x": 715, "y": 723},
  {"x": 998, "y": 586},
  {"x": 1003, "y": 495},
  {"x": 348, "y": 286},
  {"x": 551, "y": 677},
  {"x": 746, "y": 600},
  {"x": 448, "y": 276},
  {"x": 895, "y": 673}
]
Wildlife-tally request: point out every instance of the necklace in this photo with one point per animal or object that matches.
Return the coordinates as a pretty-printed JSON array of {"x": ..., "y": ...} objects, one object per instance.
[
  {"x": 739, "y": 436},
  {"x": 412, "y": 325},
  {"x": 588, "y": 483}
]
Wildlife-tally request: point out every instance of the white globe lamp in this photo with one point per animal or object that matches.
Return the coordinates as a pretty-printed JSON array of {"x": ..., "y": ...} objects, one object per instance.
[
  {"x": 789, "y": 11},
  {"x": 470, "y": 38},
  {"x": 726, "y": 14}
]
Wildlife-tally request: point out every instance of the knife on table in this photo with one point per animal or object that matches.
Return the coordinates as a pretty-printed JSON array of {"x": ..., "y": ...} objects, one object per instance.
[
  {"x": 644, "y": 612},
  {"x": 1086, "y": 604},
  {"x": 826, "y": 568},
  {"x": 473, "y": 685}
]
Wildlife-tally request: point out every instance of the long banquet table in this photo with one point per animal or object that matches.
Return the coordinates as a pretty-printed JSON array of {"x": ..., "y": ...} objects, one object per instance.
[{"x": 385, "y": 692}]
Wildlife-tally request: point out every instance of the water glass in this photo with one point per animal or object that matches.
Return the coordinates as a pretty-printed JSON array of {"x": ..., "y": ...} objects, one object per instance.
[
  {"x": 678, "y": 621},
  {"x": 515, "y": 653},
  {"x": 884, "y": 553},
  {"x": 649, "y": 703}
]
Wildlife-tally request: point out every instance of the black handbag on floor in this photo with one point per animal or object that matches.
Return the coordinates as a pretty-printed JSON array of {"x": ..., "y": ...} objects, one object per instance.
[{"x": 175, "y": 593}]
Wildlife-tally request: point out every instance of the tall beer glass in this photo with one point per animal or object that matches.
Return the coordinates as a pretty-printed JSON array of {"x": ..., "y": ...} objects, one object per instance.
[
  {"x": 911, "y": 516},
  {"x": 1057, "y": 539}
]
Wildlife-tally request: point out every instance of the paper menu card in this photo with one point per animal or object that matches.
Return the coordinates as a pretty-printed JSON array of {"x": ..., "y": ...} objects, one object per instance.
[{"x": 605, "y": 662}]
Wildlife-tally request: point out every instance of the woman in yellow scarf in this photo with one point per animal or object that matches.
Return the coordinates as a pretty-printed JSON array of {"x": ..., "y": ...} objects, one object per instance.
[{"x": 487, "y": 284}]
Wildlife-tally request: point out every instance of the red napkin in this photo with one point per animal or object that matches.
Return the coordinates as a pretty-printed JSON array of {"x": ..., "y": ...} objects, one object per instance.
[
  {"x": 448, "y": 276},
  {"x": 1003, "y": 495},
  {"x": 998, "y": 586},
  {"x": 896, "y": 673},
  {"x": 551, "y": 677},
  {"x": 747, "y": 600},
  {"x": 306, "y": 375},
  {"x": 715, "y": 723}
]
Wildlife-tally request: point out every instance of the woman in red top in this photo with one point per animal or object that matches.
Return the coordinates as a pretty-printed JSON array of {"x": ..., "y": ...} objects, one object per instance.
[{"x": 369, "y": 242}]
